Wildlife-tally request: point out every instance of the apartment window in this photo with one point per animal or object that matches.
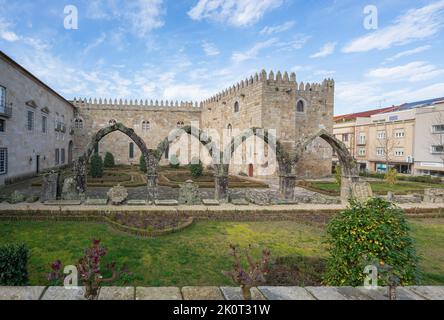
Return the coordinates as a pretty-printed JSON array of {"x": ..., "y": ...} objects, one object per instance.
[
  {"x": 3, "y": 161},
  {"x": 399, "y": 133},
  {"x": 345, "y": 137},
  {"x": 57, "y": 157},
  {"x": 380, "y": 152},
  {"x": 438, "y": 149},
  {"x": 131, "y": 150},
  {"x": 399, "y": 152},
  {"x": 30, "y": 120},
  {"x": 381, "y": 135},
  {"x": 2, "y": 125},
  {"x": 300, "y": 107},
  {"x": 2, "y": 98},
  {"x": 44, "y": 124},
  {"x": 361, "y": 152},
  {"x": 146, "y": 125},
  {"x": 361, "y": 138},
  {"x": 62, "y": 156},
  {"x": 438, "y": 128}
]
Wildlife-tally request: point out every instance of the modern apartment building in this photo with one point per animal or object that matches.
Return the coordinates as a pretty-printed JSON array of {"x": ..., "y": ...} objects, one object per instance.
[{"x": 408, "y": 138}]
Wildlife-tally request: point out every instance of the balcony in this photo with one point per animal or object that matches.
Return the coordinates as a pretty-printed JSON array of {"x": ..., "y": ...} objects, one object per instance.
[{"x": 5, "y": 111}]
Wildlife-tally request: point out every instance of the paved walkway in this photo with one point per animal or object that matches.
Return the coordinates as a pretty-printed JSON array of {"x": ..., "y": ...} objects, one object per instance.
[{"x": 223, "y": 293}]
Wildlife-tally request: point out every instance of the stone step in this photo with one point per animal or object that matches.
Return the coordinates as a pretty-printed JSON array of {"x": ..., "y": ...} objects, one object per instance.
[
  {"x": 211, "y": 202},
  {"x": 63, "y": 203},
  {"x": 159, "y": 293},
  {"x": 137, "y": 202},
  {"x": 166, "y": 202},
  {"x": 240, "y": 202},
  {"x": 96, "y": 202}
]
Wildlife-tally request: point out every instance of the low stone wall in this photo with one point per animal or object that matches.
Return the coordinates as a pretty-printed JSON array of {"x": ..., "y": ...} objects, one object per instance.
[{"x": 223, "y": 293}]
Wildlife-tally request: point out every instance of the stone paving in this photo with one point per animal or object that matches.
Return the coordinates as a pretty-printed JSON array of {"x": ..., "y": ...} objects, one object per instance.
[{"x": 223, "y": 293}]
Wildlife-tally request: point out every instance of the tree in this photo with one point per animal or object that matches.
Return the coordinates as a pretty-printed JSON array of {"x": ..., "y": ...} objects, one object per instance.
[
  {"x": 338, "y": 175},
  {"x": 96, "y": 166},
  {"x": 196, "y": 168},
  {"x": 142, "y": 164},
  {"x": 365, "y": 232},
  {"x": 108, "y": 162}
]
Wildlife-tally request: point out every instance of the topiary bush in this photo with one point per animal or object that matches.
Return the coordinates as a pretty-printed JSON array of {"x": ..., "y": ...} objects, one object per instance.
[
  {"x": 96, "y": 166},
  {"x": 13, "y": 265},
  {"x": 196, "y": 168},
  {"x": 391, "y": 177},
  {"x": 374, "y": 231},
  {"x": 108, "y": 161},
  {"x": 174, "y": 162},
  {"x": 142, "y": 164}
]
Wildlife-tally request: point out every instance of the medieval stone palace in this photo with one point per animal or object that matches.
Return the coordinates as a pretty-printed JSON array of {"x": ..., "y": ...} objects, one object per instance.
[{"x": 40, "y": 130}]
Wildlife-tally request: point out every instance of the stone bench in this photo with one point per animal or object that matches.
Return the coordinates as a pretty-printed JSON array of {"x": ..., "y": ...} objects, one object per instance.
[
  {"x": 168, "y": 203},
  {"x": 96, "y": 202},
  {"x": 62, "y": 203}
]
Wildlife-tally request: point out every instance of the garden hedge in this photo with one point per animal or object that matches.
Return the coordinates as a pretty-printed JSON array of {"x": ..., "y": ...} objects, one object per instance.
[{"x": 13, "y": 265}]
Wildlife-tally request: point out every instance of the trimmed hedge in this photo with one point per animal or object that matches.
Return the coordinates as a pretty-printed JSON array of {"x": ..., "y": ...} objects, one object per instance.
[
  {"x": 142, "y": 164},
  {"x": 421, "y": 179},
  {"x": 108, "y": 161},
  {"x": 13, "y": 265},
  {"x": 96, "y": 166}
]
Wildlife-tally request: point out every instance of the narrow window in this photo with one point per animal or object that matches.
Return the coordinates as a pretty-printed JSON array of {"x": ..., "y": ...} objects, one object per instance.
[
  {"x": 44, "y": 124},
  {"x": 131, "y": 150},
  {"x": 78, "y": 123},
  {"x": 2, "y": 125},
  {"x": 167, "y": 152},
  {"x": 30, "y": 120},
  {"x": 112, "y": 122},
  {"x": 62, "y": 156},
  {"x": 3, "y": 160},
  {"x": 57, "y": 157},
  {"x": 236, "y": 107},
  {"x": 146, "y": 125},
  {"x": 300, "y": 107},
  {"x": 2, "y": 99}
]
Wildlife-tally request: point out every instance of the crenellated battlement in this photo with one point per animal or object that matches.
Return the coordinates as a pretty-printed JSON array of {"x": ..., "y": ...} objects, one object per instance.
[
  {"x": 125, "y": 103},
  {"x": 271, "y": 78}
]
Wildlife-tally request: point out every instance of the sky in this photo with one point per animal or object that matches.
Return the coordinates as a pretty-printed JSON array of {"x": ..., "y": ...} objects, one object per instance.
[{"x": 192, "y": 49}]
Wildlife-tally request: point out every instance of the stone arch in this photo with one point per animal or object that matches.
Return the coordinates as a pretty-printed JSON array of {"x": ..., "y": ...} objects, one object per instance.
[
  {"x": 350, "y": 170},
  {"x": 80, "y": 165}
]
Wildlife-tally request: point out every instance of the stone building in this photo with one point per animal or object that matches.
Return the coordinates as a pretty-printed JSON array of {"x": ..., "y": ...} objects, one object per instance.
[
  {"x": 44, "y": 130},
  {"x": 35, "y": 122}
]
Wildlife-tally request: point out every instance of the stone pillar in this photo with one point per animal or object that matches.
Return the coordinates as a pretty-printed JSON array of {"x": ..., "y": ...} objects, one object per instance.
[
  {"x": 287, "y": 183},
  {"x": 346, "y": 187},
  {"x": 221, "y": 188},
  {"x": 152, "y": 188},
  {"x": 50, "y": 186},
  {"x": 80, "y": 172}
]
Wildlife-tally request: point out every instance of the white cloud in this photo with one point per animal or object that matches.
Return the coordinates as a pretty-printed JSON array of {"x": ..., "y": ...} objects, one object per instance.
[
  {"x": 252, "y": 53},
  {"x": 191, "y": 92},
  {"x": 408, "y": 53},
  {"x": 210, "y": 49},
  {"x": 296, "y": 43},
  {"x": 5, "y": 32},
  {"x": 97, "y": 42},
  {"x": 412, "y": 72},
  {"x": 146, "y": 16},
  {"x": 278, "y": 29},
  {"x": 235, "y": 12},
  {"x": 325, "y": 51},
  {"x": 416, "y": 24}
]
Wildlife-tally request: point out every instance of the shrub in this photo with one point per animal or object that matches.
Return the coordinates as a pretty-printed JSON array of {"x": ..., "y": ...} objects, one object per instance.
[
  {"x": 374, "y": 231},
  {"x": 196, "y": 168},
  {"x": 13, "y": 265},
  {"x": 96, "y": 166},
  {"x": 108, "y": 162},
  {"x": 391, "y": 176},
  {"x": 142, "y": 164},
  {"x": 174, "y": 162},
  {"x": 338, "y": 175}
]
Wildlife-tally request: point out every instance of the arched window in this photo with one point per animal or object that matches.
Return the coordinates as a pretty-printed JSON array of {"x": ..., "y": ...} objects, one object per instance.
[
  {"x": 78, "y": 123},
  {"x": 300, "y": 106},
  {"x": 146, "y": 125},
  {"x": 131, "y": 150},
  {"x": 112, "y": 122},
  {"x": 230, "y": 130},
  {"x": 180, "y": 124},
  {"x": 236, "y": 106}
]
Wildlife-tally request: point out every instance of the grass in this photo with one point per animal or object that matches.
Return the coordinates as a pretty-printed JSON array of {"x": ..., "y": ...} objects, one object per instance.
[
  {"x": 378, "y": 187},
  {"x": 197, "y": 255}
]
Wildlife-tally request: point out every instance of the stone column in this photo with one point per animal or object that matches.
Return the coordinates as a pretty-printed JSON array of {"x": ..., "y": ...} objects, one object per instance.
[
  {"x": 287, "y": 183},
  {"x": 50, "y": 186},
  {"x": 221, "y": 188},
  {"x": 152, "y": 188},
  {"x": 80, "y": 177}
]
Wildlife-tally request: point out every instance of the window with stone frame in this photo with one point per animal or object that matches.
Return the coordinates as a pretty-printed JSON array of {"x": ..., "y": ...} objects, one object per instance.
[
  {"x": 112, "y": 122},
  {"x": 30, "y": 120},
  {"x": 78, "y": 123},
  {"x": 399, "y": 133},
  {"x": 62, "y": 156},
  {"x": 57, "y": 157},
  {"x": 236, "y": 107},
  {"x": 146, "y": 125},
  {"x": 2, "y": 98},
  {"x": 399, "y": 152},
  {"x": 3, "y": 161},
  {"x": 380, "y": 152},
  {"x": 2, "y": 125},
  {"x": 300, "y": 106},
  {"x": 180, "y": 124},
  {"x": 44, "y": 124},
  {"x": 381, "y": 135},
  {"x": 131, "y": 150}
]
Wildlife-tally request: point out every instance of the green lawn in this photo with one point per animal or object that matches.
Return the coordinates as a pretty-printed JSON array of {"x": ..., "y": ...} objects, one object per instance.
[
  {"x": 197, "y": 255},
  {"x": 380, "y": 187}
]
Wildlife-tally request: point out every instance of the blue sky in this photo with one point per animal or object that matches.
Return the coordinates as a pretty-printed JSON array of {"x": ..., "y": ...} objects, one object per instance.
[{"x": 192, "y": 49}]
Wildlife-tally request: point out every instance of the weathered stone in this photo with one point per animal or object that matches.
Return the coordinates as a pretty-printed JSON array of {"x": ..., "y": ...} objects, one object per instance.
[
  {"x": 202, "y": 293},
  {"x": 117, "y": 195},
  {"x": 361, "y": 191},
  {"x": 69, "y": 190},
  {"x": 17, "y": 197},
  {"x": 137, "y": 202},
  {"x": 381, "y": 293},
  {"x": 235, "y": 293},
  {"x": 50, "y": 186},
  {"x": 63, "y": 203},
  {"x": 287, "y": 183},
  {"x": 391, "y": 196},
  {"x": 117, "y": 293},
  {"x": 221, "y": 188},
  {"x": 32, "y": 199},
  {"x": 353, "y": 294},
  {"x": 429, "y": 292},
  {"x": 325, "y": 293},
  {"x": 166, "y": 202},
  {"x": 61, "y": 293},
  {"x": 96, "y": 202},
  {"x": 210, "y": 202},
  {"x": 189, "y": 193},
  {"x": 240, "y": 202},
  {"x": 158, "y": 293},
  {"x": 21, "y": 293},
  {"x": 285, "y": 293},
  {"x": 434, "y": 195}
]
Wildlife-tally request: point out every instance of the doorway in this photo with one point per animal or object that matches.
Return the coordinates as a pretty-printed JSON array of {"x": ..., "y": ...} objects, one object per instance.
[
  {"x": 37, "y": 164},
  {"x": 250, "y": 170}
]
